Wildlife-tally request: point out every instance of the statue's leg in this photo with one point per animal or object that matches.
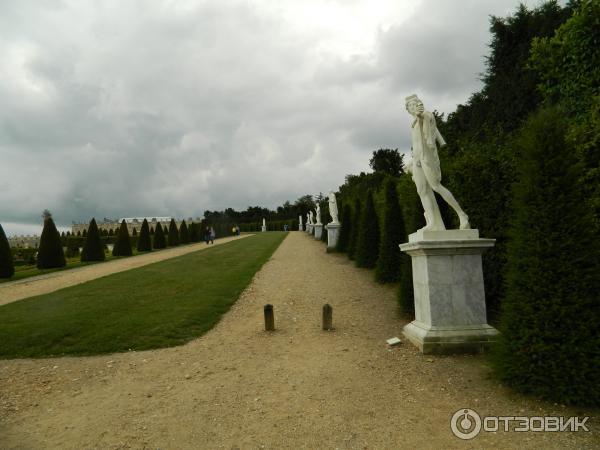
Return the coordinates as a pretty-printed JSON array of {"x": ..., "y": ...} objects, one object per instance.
[
  {"x": 447, "y": 196},
  {"x": 433, "y": 217}
]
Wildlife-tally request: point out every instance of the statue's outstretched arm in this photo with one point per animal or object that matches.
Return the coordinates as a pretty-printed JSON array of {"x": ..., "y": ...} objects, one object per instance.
[{"x": 439, "y": 138}]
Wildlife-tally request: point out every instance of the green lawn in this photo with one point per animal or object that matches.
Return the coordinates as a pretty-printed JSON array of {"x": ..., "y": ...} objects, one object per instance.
[
  {"x": 31, "y": 270},
  {"x": 160, "y": 305}
]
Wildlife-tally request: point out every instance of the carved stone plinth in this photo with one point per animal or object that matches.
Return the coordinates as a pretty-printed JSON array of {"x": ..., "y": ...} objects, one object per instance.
[
  {"x": 450, "y": 313},
  {"x": 318, "y": 231},
  {"x": 333, "y": 233}
]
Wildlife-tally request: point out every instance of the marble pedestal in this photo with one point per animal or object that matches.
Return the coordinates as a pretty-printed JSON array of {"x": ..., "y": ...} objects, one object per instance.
[
  {"x": 333, "y": 232},
  {"x": 318, "y": 231},
  {"x": 263, "y": 228},
  {"x": 300, "y": 227},
  {"x": 450, "y": 314},
  {"x": 309, "y": 228}
]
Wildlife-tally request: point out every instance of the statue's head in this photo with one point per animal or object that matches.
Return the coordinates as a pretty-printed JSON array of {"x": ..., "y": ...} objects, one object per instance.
[{"x": 414, "y": 105}]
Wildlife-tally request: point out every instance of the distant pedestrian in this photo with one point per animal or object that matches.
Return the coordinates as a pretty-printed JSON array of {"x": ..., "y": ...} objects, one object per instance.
[
  {"x": 233, "y": 231},
  {"x": 237, "y": 230},
  {"x": 212, "y": 235},
  {"x": 207, "y": 235}
]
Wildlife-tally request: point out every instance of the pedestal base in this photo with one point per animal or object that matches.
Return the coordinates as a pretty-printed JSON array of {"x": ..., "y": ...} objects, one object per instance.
[
  {"x": 450, "y": 313},
  {"x": 333, "y": 233},
  {"x": 318, "y": 231},
  {"x": 445, "y": 340},
  {"x": 263, "y": 228},
  {"x": 309, "y": 228}
]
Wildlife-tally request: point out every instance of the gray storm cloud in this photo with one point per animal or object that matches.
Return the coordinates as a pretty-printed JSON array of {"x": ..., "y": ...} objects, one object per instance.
[{"x": 169, "y": 108}]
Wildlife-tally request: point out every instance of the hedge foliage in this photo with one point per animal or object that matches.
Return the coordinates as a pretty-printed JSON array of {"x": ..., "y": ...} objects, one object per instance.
[
  {"x": 7, "y": 268},
  {"x": 93, "y": 249},
  {"x": 144, "y": 243},
  {"x": 50, "y": 251},
  {"x": 122, "y": 246},
  {"x": 159, "y": 238}
]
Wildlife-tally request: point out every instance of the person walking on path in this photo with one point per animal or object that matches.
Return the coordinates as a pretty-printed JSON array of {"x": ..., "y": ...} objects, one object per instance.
[
  {"x": 207, "y": 235},
  {"x": 212, "y": 235}
]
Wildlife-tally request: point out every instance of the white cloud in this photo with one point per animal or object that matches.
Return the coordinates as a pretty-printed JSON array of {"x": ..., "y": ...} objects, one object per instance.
[{"x": 169, "y": 108}]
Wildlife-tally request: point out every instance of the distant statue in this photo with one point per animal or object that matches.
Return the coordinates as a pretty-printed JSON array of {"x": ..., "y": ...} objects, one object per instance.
[
  {"x": 264, "y": 223},
  {"x": 318, "y": 214},
  {"x": 333, "y": 210},
  {"x": 300, "y": 219},
  {"x": 312, "y": 217},
  {"x": 425, "y": 166}
]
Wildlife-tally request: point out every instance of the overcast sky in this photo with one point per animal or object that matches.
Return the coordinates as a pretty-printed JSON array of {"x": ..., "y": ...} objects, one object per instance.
[{"x": 168, "y": 108}]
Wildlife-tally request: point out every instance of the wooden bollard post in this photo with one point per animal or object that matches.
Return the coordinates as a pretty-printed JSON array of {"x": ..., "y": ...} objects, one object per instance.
[
  {"x": 327, "y": 317},
  {"x": 269, "y": 318}
]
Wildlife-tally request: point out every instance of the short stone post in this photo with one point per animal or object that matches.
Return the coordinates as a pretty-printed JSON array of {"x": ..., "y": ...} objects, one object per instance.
[
  {"x": 269, "y": 318},
  {"x": 327, "y": 317}
]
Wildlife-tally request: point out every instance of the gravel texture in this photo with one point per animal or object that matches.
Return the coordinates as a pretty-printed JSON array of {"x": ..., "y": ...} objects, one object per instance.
[{"x": 298, "y": 387}]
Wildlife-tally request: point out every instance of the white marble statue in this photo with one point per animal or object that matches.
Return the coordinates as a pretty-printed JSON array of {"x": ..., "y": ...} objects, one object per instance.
[
  {"x": 318, "y": 214},
  {"x": 264, "y": 223},
  {"x": 425, "y": 166},
  {"x": 333, "y": 210},
  {"x": 311, "y": 217}
]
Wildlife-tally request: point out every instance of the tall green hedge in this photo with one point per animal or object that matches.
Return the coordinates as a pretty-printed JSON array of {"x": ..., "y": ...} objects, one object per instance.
[
  {"x": 50, "y": 251},
  {"x": 355, "y": 229},
  {"x": 345, "y": 230},
  {"x": 93, "y": 249},
  {"x": 367, "y": 244},
  {"x": 550, "y": 341},
  {"x": 122, "y": 246},
  {"x": 7, "y": 268},
  {"x": 393, "y": 234}
]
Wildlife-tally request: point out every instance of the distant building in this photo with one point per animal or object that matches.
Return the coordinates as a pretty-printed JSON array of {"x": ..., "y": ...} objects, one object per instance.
[{"x": 29, "y": 241}]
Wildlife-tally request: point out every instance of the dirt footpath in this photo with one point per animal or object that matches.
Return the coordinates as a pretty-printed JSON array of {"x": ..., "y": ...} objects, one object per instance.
[
  {"x": 299, "y": 387},
  {"x": 42, "y": 284}
]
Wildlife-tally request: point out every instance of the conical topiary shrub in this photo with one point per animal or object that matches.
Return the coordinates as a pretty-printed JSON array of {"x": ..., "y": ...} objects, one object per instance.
[
  {"x": 144, "y": 242},
  {"x": 550, "y": 343},
  {"x": 184, "y": 234},
  {"x": 194, "y": 232},
  {"x": 393, "y": 234},
  {"x": 173, "y": 234},
  {"x": 50, "y": 251},
  {"x": 353, "y": 241},
  {"x": 93, "y": 249},
  {"x": 7, "y": 268},
  {"x": 122, "y": 245},
  {"x": 367, "y": 246},
  {"x": 159, "y": 237}
]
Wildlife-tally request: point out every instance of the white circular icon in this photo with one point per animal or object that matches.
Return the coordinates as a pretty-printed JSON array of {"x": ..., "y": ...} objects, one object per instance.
[{"x": 465, "y": 424}]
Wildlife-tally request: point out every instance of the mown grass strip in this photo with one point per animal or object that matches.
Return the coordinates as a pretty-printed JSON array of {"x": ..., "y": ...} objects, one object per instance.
[{"x": 160, "y": 305}]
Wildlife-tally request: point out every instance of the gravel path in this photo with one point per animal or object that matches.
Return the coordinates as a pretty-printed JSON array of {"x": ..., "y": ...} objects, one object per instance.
[
  {"x": 42, "y": 284},
  {"x": 298, "y": 387}
]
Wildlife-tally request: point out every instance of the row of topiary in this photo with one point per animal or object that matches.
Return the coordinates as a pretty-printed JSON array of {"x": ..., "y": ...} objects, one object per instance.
[{"x": 51, "y": 252}]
